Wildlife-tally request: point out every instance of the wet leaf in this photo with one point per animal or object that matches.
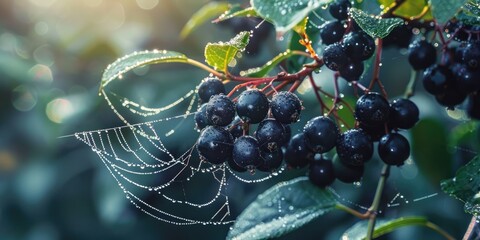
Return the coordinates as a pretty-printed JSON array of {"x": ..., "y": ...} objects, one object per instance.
[
  {"x": 282, "y": 209},
  {"x": 236, "y": 11},
  {"x": 220, "y": 54},
  {"x": 382, "y": 227},
  {"x": 409, "y": 8},
  {"x": 375, "y": 26},
  {"x": 138, "y": 59},
  {"x": 429, "y": 150},
  {"x": 267, "y": 67},
  {"x": 207, "y": 12},
  {"x": 285, "y": 14},
  {"x": 444, "y": 10},
  {"x": 465, "y": 186}
]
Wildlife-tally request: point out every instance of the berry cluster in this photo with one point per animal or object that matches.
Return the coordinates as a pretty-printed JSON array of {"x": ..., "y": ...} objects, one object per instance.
[
  {"x": 378, "y": 121},
  {"x": 455, "y": 78},
  {"x": 347, "y": 47},
  {"x": 225, "y": 126}
]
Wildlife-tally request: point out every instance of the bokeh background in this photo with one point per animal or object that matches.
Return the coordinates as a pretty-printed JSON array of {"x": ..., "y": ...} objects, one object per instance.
[{"x": 52, "y": 55}]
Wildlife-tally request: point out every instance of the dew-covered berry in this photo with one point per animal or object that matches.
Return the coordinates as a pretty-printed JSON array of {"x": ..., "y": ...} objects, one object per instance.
[
  {"x": 270, "y": 134},
  {"x": 421, "y": 54},
  {"x": 467, "y": 80},
  {"x": 297, "y": 154},
  {"x": 358, "y": 46},
  {"x": 331, "y": 32},
  {"x": 321, "y": 173},
  {"x": 404, "y": 114},
  {"x": 246, "y": 152},
  {"x": 451, "y": 97},
  {"x": 321, "y": 134},
  {"x": 214, "y": 145},
  {"x": 270, "y": 161},
  {"x": 334, "y": 57},
  {"x": 252, "y": 106},
  {"x": 437, "y": 78},
  {"x": 375, "y": 132},
  {"x": 393, "y": 149},
  {"x": 471, "y": 55},
  {"x": 286, "y": 107},
  {"x": 339, "y": 9},
  {"x": 220, "y": 110},
  {"x": 372, "y": 109},
  {"x": 201, "y": 120},
  {"x": 352, "y": 71},
  {"x": 234, "y": 166},
  {"x": 354, "y": 147},
  {"x": 347, "y": 173},
  {"x": 210, "y": 86}
]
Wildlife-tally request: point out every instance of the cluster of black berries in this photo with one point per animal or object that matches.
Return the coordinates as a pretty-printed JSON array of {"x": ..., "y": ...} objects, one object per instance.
[
  {"x": 455, "y": 78},
  {"x": 378, "y": 121},
  {"x": 345, "y": 52},
  {"x": 225, "y": 137}
]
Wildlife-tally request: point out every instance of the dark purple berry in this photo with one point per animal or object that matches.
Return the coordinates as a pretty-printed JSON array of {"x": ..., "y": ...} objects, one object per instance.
[
  {"x": 332, "y": 32},
  {"x": 451, "y": 97},
  {"x": 358, "y": 46},
  {"x": 246, "y": 152},
  {"x": 347, "y": 173},
  {"x": 210, "y": 86},
  {"x": 252, "y": 106},
  {"x": 321, "y": 173},
  {"x": 399, "y": 37},
  {"x": 375, "y": 132},
  {"x": 270, "y": 161},
  {"x": 437, "y": 78},
  {"x": 421, "y": 54},
  {"x": 270, "y": 134},
  {"x": 286, "y": 107},
  {"x": 467, "y": 80},
  {"x": 354, "y": 147},
  {"x": 236, "y": 128},
  {"x": 372, "y": 109},
  {"x": 201, "y": 120},
  {"x": 403, "y": 114},
  {"x": 220, "y": 110},
  {"x": 321, "y": 134},
  {"x": 471, "y": 55},
  {"x": 352, "y": 71},
  {"x": 334, "y": 57},
  {"x": 297, "y": 155},
  {"x": 393, "y": 149},
  {"x": 214, "y": 145},
  {"x": 234, "y": 166},
  {"x": 339, "y": 9}
]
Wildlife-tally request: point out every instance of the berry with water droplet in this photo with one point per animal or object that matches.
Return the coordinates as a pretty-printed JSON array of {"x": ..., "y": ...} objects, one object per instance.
[
  {"x": 246, "y": 152},
  {"x": 421, "y": 54},
  {"x": 252, "y": 106},
  {"x": 403, "y": 114},
  {"x": 321, "y": 173},
  {"x": 347, "y": 173},
  {"x": 214, "y": 145},
  {"x": 331, "y": 32},
  {"x": 372, "y": 109},
  {"x": 321, "y": 134},
  {"x": 270, "y": 134},
  {"x": 471, "y": 55},
  {"x": 220, "y": 110},
  {"x": 354, "y": 147},
  {"x": 358, "y": 46},
  {"x": 352, "y": 71},
  {"x": 393, "y": 149},
  {"x": 437, "y": 78},
  {"x": 339, "y": 9},
  {"x": 286, "y": 107},
  {"x": 334, "y": 57},
  {"x": 270, "y": 161},
  {"x": 210, "y": 86},
  {"x": 201, "y": 120},
  {"x": 297, "y": 154}
]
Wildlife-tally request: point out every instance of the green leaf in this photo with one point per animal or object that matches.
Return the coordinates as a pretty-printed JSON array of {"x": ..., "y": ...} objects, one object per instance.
[
  {"x": 237, "y": 11},
  {"x": 409, "y": 8},
  {"x": 429, "y": 150},
  {"x": 470, "y": 13},
  {"x": 282, "y": 209},
  {"x": 219, "y": 55},
  {"x": 138, "y": 59},
  {"x": 465, "y": 186},
  {"x": 285, "y": 14},
  {"x": 375, "y": 26},
  {"x": 444, "y": 10},
  {"x": 267, "y": 67},
  {"x": 382, "y": 227},
  {"x": 464, "y": 133},
  {"x": 207, "y": 12}
]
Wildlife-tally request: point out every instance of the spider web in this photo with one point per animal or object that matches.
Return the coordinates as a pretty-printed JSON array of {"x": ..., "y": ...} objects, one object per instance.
[{"x": 161, "y": 174}]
